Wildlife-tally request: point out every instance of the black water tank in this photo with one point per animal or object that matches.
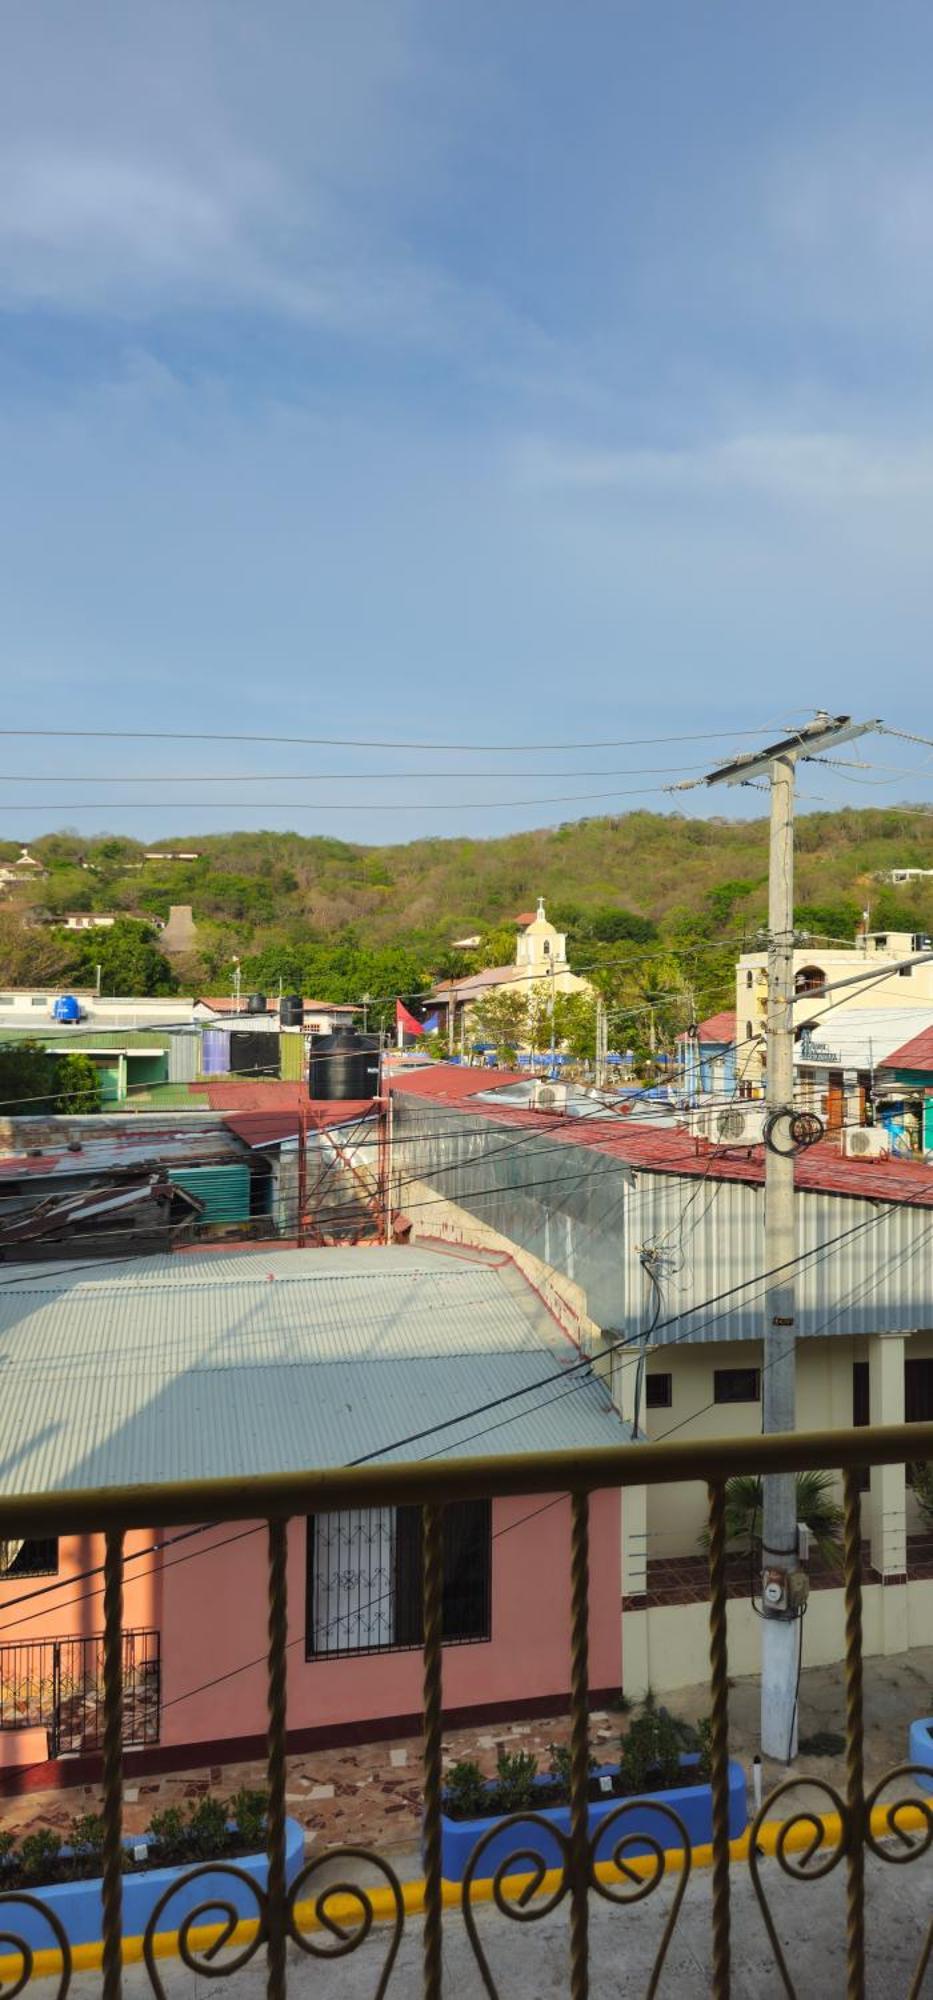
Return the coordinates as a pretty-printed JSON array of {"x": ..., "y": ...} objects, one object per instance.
[
  {"x": 253, "y": 1053},
  {"x": 344, "y": 1065},
  {"x": 257, "y": 1004},
  {"x": 291, "y": 1011}
]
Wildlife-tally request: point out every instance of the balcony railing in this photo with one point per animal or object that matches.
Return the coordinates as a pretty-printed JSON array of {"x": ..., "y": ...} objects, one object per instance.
[{"x": 330, "y": 1920}]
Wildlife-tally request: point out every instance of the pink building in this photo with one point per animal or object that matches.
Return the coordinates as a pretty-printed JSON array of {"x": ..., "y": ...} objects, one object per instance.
[{"x": 219, "y": 1364}]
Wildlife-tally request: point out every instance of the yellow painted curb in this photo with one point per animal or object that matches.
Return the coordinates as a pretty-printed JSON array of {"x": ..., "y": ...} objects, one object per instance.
[{"x": 346, "y": 1909}]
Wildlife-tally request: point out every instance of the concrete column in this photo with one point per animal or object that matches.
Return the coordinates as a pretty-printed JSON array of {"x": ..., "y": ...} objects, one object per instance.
[
  {"x": 887, "y": 1512},
  {"x": 636, "y": 1669}
]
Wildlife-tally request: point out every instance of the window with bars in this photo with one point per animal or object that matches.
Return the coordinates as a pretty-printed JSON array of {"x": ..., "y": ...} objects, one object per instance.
[
  {"x": 736, "y": 1385},
  {"x": 30, "y": 1558},
  {"x": 364, "y": 1578}
]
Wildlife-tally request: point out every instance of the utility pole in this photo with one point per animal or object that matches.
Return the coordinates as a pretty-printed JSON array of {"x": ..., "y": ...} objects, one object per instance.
[
  {"x": 779, "y": 1637},
  {"x": 602, "y": 1043}
]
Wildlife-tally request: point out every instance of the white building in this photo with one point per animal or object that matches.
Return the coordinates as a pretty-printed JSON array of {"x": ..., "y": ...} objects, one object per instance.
[{"x": 819, "y": 973}]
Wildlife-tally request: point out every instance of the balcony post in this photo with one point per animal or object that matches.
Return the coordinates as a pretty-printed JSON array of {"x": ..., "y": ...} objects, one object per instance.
[
  {"x": 579, "y": 1748},
  {"x": 855, "y": 1758},
  {"x": 277, "y": 1708},
  {"x": 433, "y": 1601},
  {"x": 719, "y": 1740},
  {"x": 112, "y": 1858}
]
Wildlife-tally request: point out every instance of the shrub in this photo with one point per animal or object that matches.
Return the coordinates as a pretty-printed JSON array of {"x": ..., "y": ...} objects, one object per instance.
[
  {"x": 650, "y": 1759},
  {"x": 86, "y": 1843},
  {"x": 39, "y": 1855},
  {"x": 207, "y": 1831},
  {"x": 516, "y": 1772},
  {"x": 7, "y": 1844},
  {"x": 467, "y": 1793},
  {"x": 561, "y": 1764},
  {"x": 249, "y": 1809},
  {"x": 169, "y": 1831}
]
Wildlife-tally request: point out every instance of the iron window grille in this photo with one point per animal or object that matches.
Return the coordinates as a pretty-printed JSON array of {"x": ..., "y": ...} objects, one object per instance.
[
  {"x": 659, "y": 1392},
  {"x": 34, "y": 1557},
  {"x": 364, "y": 1579},
  {"x": 736, "y": 1385}
]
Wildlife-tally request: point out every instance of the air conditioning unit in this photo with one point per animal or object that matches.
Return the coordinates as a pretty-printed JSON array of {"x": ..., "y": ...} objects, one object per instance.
[
  {"x": 736, "y": 1125},
  {"x": 549, "y": 1097},
  {"x": 866, "y": 1142}
]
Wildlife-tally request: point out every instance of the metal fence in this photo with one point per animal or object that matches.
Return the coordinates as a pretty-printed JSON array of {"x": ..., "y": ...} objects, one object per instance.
[
  {"x": 331, "y": 1919},
  {"x": 57, "y": 1685}
]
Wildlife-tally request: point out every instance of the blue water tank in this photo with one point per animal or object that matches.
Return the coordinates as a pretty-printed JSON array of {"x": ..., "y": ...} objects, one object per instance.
[{"x": 66, "y": 1009}]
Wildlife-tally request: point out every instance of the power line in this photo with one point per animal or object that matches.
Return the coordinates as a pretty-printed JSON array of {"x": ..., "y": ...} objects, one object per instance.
[{"x": 365, "y": 742}]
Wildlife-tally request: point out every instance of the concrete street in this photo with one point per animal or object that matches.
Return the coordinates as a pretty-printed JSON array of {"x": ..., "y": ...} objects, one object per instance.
[{"x": 530, "y": 1960}]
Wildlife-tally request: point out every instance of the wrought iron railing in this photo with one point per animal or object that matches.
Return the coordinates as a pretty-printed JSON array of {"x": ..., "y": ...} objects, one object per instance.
[
  {"x": 57, "y": 1685},
  {"x": 334, "y": 1919}
]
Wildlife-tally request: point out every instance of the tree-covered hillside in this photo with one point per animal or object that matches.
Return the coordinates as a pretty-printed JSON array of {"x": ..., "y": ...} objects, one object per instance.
[{"x": 341, "y": 920}]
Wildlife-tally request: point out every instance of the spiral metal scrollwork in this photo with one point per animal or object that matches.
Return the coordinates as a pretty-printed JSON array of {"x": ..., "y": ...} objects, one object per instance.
[
  {"x": 522, "y": 1860},
  {"x": 637, "y": 1883},
  {"x": 12, "y": 1943},
  {"x": 811, "y": 1862},
  {"x": 347, "y": 1936},
  {"x": 216, "y": 1908},
  {"x": 906, "y": 1843}
]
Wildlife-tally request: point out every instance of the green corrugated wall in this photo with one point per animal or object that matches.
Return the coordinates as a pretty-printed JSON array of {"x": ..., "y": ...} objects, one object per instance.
[
  {"x": 292, "y": 1056},
  {"x": 223, "y": 1190}
]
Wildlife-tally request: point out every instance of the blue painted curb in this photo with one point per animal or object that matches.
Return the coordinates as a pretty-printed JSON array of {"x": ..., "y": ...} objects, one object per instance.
[
  {"x": 77, "y": 1905},
  {"x": 920, "y": 1746},
  {"x": 639, "y": 1825}
]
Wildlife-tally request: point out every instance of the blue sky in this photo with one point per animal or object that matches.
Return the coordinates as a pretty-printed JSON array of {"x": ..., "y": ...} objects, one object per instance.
[{"x": 462, "y": 374}]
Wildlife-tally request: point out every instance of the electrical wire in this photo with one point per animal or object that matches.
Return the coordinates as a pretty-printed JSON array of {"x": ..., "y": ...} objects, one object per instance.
[{"x": 367, "y": 742}]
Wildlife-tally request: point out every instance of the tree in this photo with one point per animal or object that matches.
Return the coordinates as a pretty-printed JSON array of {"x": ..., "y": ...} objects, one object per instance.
[
  {"x": 502, "y": 1018},
  {"x": 33, "y": 956},
  {"x": 76, "y": 1083},
  {"x": 129, "y": 958},
  {"x": 575, "y": 1024},
  {"x": 33, "y": 1082}
]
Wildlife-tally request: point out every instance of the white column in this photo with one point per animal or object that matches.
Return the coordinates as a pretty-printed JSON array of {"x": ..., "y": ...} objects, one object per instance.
[{"x": 887, "y": 1512}]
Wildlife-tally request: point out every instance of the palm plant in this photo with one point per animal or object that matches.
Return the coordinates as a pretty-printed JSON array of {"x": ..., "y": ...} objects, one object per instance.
[
  {"x": 816, "y": 1509},
  {"x": 921, "y": 1479}
]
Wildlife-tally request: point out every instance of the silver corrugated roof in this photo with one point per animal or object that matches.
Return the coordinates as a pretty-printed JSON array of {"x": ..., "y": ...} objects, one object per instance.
[{"x": 204, "y": 1366}]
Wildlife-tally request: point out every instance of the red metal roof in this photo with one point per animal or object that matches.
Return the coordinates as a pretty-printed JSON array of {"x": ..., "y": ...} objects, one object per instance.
[
  {"x": 673, "y": 1150},
  {"x": 452, "y": 1081},
  {"x": 226, "y": 1005},
  {"x": 917, "y": 1054},
  {"x": 718, "y": 1027},
  {"x": 261, "y": 1112}
]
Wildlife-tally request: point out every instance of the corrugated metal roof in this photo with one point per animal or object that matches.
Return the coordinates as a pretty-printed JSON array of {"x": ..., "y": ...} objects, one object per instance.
[
  {"x": 130, "y": 1149},
  {"x": 671, "y": 1149},
  {"x": 218, "y": 1365},
  {"x": 915, "y": 1054}
]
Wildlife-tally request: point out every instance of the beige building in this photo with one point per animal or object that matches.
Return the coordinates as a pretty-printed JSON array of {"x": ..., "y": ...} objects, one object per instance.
[
  {"x": 817, "y": 969},
  {"x": 540, "y": 963}
]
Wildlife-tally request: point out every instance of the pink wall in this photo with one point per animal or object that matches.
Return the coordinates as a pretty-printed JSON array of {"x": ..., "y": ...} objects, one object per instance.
[
  {"x": 214, "y": 1621},
  {"x": 72, "y": 1608},
  {"x": 208, "y": 1599}
]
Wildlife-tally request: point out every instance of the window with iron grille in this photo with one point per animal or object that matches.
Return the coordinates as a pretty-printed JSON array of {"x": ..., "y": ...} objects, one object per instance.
[
  {"x": 736, "y": 1385},
  {"x": 659, "y": 1392},
  {"x": 29, "y": 1558},
  {"x": 364, "y": 1578}
]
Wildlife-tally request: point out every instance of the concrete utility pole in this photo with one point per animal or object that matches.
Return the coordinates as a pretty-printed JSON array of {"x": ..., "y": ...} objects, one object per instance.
[{"x": 779, "y": 1636}]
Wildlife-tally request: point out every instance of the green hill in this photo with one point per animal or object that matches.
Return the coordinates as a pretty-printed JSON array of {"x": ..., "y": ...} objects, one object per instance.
[{"x": 346, "y": 918}]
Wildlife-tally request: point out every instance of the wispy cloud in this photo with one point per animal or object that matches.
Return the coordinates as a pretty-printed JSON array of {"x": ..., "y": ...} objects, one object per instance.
[{"x": 816, "y": 469}]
